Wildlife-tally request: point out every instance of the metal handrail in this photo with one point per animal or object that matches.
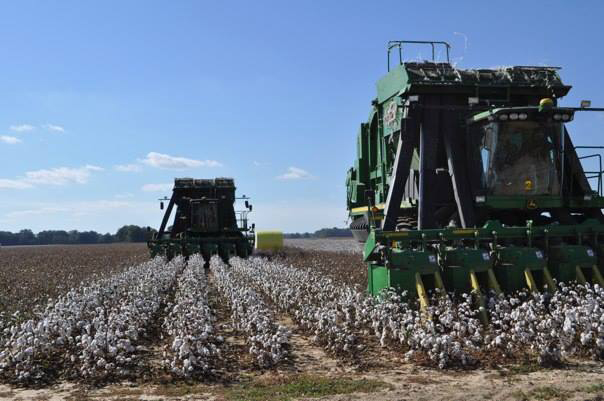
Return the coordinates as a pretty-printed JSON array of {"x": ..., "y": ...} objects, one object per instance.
[
  {"x": 594, "y": 174},
  {"x": 399, "y": 44}
]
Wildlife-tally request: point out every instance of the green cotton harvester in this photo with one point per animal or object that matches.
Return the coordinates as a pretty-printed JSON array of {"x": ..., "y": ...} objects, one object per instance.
[
  {"x": 205, "y": 221},
  {"x": 468, "y": 180}
]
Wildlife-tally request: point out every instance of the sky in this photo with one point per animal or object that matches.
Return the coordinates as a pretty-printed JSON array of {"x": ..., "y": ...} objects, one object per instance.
[{"x": 104, "y": 103}]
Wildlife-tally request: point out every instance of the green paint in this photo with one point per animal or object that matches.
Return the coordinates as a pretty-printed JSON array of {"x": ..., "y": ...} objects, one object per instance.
[
  {"x": 510, "y": 263},
  {"x": 403, "y": 264}
]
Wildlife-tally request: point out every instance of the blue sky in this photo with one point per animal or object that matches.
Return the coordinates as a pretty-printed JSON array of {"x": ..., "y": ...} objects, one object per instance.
[{"x": 104, "y": 103}]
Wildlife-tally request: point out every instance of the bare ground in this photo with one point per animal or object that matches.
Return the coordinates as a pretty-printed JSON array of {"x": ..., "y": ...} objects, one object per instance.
[{"x": 406, "y": 382}]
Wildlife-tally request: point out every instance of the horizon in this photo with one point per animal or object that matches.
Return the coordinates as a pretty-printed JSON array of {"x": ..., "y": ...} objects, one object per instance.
[{"x": 104, "y": 104}]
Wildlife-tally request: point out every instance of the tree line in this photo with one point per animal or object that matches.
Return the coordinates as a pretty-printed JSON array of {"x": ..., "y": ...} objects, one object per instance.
[
  {"x": 127, "y": 233},
  {"x": 322, "y": 233}
]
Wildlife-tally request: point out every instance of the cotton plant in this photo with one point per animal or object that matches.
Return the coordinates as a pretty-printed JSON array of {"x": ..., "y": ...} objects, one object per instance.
[
  {"x": 193, "y": 346},
  {"x": 318, "y": 304},
  {"x": 267, "y": 340},
  {"x": 92, "y": 330}
]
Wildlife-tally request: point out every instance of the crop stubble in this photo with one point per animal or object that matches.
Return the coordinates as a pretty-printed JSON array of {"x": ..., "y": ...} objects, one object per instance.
[{"x": 29, "y": 275}]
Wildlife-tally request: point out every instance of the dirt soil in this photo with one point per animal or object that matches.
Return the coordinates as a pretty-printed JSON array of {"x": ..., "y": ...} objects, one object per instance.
[{"x": 582, "y": 382}]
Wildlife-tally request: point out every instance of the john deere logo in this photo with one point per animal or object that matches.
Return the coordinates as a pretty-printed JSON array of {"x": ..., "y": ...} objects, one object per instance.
[
  {"x": 391, "y": 111},
  {"x": 531, "y": 204}
]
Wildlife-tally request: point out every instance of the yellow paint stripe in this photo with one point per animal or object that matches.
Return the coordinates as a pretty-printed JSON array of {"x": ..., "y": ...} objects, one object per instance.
[
  {"x": 474, "y": 281},
  {"x": 365, "y": 208},
  {"x": 421, "y": 292},
  {"x": 479, "y": 297},
  {"x": 493, "y": 282},
  {"x": 530, "y": 281},
  {"x": 398, "y": 234},
  {"x": 464, "y": 232},
  {"x": 551, "y": 285}
]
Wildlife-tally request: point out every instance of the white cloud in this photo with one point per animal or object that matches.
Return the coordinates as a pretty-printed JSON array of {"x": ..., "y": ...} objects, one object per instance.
[
  {"x": 295, "y": 173},
  {"x": 53, "y": 127},
  {"x": 125, "y": 195},
  {"x": 34, "y": 212},
  {"x": 60, "y": 176},
  {"x": 11, "y": 140},
  {"x": 161, "y": 160},
  {"x": 53, "y": 176},
  {"x": 128, "y": 168},
  {"x": 101, "y": 215},
  {"x": 22, "y": 128},
  {"x": 13, "y": 184},
  {"x": 156, "y": 187},
  {"x": 74, "y": 208}
]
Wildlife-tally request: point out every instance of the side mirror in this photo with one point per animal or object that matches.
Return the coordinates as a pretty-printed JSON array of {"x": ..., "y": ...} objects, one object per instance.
[
  {"x": 250, "y": 208},
  {"x": 247, "y": 205},
  {"x": 161, "y": 205},
  {"x": 253, "y": 226}
]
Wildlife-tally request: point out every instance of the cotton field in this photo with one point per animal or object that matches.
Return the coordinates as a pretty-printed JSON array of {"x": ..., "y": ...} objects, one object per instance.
[{"x": 103, "y": 329}]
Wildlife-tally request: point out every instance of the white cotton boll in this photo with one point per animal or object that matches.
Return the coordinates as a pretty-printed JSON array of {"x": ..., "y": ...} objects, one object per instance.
[{"x": 586, "y": 338}]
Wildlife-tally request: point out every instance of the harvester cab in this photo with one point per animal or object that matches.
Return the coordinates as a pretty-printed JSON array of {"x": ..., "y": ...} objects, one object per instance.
[
  {"x": 468, "y": 180},
  {"x": 205, "y": 221}
]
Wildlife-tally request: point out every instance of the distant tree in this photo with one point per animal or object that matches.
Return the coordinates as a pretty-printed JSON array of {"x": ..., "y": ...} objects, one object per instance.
[
  {"x": 45, "y": 237},
  {"x": 89, "y": 237},
  {"x": 128, "y": 233},
  {"x": 26, "y": 237},
  {"x": 8, "y": 238},
  {"x": 132, "y": 233},
  {"x": 60, "y": 237},
  {"x": 333, "y": 232},
  {"x": 106, "y": 238},
  {"x": 74, "y": 237}
]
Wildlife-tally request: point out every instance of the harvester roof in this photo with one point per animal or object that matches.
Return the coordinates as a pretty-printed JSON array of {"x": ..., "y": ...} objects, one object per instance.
[
  {"x": 193, "y": 183},
  {"x": 430, "y": 77}
]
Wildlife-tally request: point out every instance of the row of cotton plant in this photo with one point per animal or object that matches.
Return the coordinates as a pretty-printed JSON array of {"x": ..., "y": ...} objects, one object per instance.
[
  {"x": 338, "y": 315},
  {"x": 448, "y": 332},
  {"x": 316, "y": 303},
  {"x": 107, "y": 344},
  {"x": 549, "y": 327},
  {"x": 569, "y": 322},
  {"x": 92, "y": 330},
  {"x": 193, "y": 346},
  {"x": 268, "y": 341}
]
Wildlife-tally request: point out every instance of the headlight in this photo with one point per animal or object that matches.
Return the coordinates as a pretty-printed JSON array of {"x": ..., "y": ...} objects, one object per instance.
[
  {"x": 523, "y": 116},
  {"x": 513, "y": 116},
  {"x": 503, "y": 117},
  {"x": 565, "y": 117},
  {"x": 557, "y": 117}
]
